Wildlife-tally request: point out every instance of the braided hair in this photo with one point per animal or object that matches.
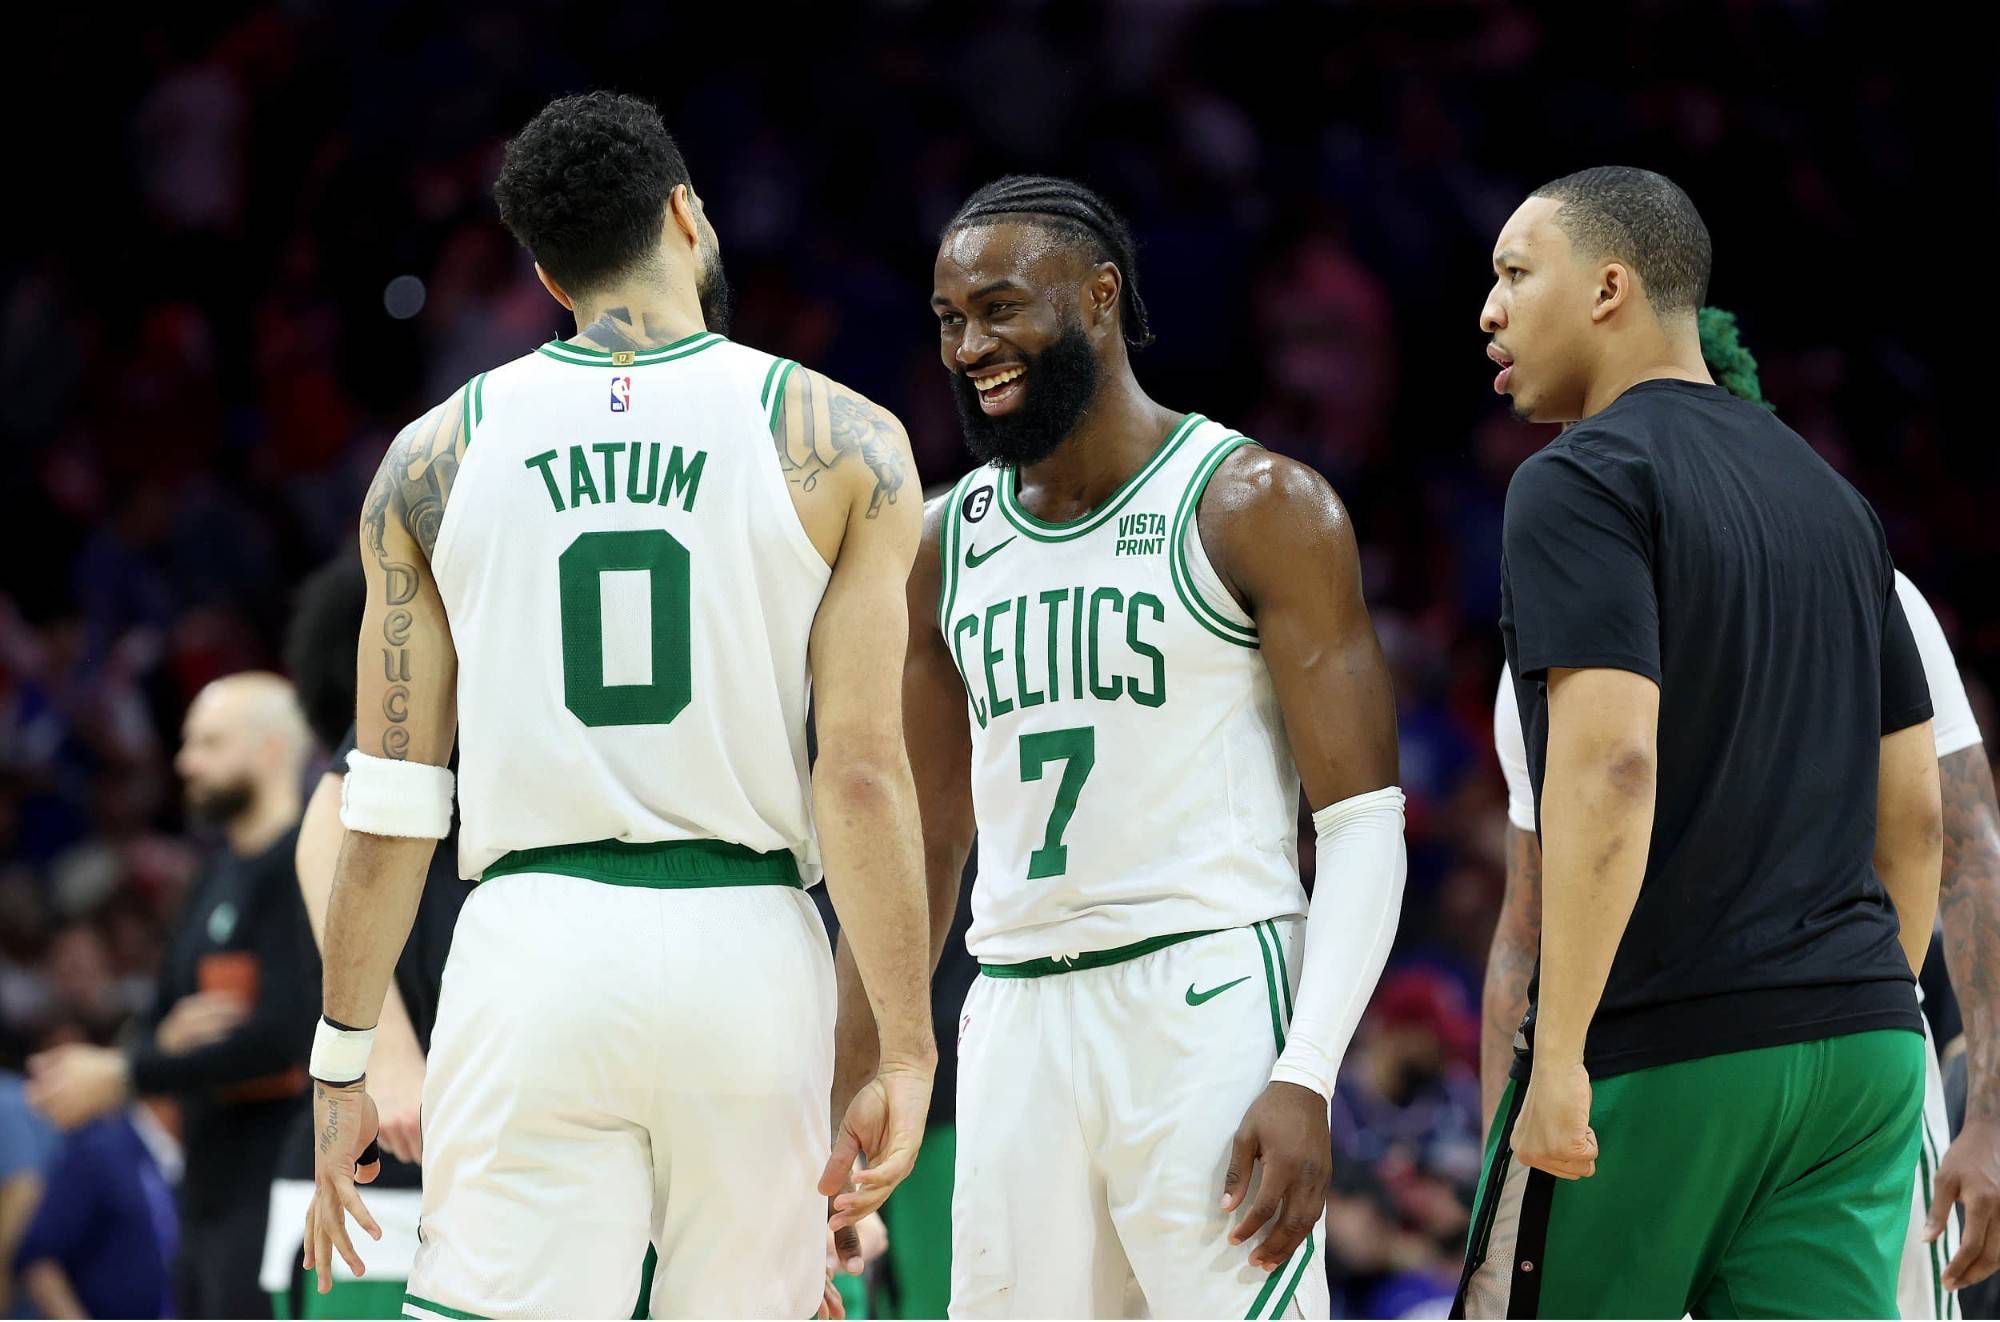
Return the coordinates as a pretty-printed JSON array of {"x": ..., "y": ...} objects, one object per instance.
[
  {"x": 1728, "y": 361},
  {"x": 1080, "y": 217}
]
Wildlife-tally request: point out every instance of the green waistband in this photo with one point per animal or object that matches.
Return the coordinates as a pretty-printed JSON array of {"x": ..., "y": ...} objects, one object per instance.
[
  {"x": 1090, "y": 959},
  {"x": 661, "y": 865}
]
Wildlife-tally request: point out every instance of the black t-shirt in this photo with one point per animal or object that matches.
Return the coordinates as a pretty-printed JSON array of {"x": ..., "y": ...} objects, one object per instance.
[
  {"x": 1690, "y": 537},
  {"x": 242, "y": 930}
]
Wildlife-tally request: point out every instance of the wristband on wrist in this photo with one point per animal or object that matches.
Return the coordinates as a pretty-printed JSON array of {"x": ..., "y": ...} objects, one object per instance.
[{"x": 339, "y": 1053}]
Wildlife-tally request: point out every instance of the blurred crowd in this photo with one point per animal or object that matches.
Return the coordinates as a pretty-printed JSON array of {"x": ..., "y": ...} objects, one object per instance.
[{"x": 280, "y": 245}]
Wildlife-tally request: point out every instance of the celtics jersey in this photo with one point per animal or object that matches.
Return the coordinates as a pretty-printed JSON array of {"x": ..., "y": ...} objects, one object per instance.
[
  {"x": 630, "y": 591},
  {"x": 1130, "y": 772}
]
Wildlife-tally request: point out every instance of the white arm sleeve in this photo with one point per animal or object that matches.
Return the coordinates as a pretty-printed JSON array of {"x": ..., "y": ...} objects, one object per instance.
[
  {"x": 1952, "y": 722},
  {"x": 1357, "y": 899},
  {"x": 1512, "y": 748}
]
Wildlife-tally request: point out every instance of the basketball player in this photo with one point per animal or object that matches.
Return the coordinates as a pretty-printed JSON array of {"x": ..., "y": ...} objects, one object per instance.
[
  {"x": 595, "y": 565},
  {"x": 1971, "y": 869},
  {"x": 1148, "y": 631},
  {"x": 1729, "y": 741}
]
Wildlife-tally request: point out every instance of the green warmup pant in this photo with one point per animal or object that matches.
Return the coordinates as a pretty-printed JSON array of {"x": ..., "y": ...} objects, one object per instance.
[
  {"x": 1767, "y": 1183},
  {"x": 347, "y": 1299},
  {"x": 918, "y": 1216}
]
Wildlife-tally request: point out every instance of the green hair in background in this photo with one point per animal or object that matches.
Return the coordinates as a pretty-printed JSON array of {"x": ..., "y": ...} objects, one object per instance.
[{"x": 1728, "y": 361}]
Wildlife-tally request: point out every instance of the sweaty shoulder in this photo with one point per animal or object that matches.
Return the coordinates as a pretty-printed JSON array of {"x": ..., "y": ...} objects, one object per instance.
[{"x": 1261, "y": 510}]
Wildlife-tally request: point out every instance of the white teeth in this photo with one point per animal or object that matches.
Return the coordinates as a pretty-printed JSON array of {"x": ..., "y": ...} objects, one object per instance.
[{"x": 991, "y": 383}]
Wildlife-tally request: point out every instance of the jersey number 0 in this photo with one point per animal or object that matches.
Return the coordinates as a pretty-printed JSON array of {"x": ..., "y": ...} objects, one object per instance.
[{"x": 664, "y": 561}]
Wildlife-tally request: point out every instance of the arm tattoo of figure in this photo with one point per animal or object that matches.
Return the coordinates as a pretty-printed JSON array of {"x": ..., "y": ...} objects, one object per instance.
[
  {"x": 1969, "y": 905},
  {"x": 854, "y": 427},
  {"x": 412, "y": 486}
]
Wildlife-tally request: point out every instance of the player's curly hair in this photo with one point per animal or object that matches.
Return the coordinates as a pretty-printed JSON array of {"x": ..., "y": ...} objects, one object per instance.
[
  {"x": 584, "y": 187},
  {"x": 1728, "y": 361},
  {"x": 1076, "y": 214}
]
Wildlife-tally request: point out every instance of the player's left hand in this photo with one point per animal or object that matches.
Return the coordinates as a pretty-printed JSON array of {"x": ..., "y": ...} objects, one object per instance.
[
  {"x": 74, "y": 1084},
  {"x": 344, "y": 1153},
  {"x": 1552, "y": 1133},
  {"x": 1286, "y": 1130},
  {"x": 1970, "y": 1175}
]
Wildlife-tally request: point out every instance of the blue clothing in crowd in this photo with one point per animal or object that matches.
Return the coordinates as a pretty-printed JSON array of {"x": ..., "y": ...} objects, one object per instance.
[{"x": 107, "y": 1219}]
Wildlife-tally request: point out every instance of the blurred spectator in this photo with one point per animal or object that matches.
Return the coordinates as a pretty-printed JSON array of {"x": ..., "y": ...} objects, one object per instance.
[
  {"x": 1406, "y": 1136},
  {"x": 233, "y": 1018},
  {"x": 103, "y": 1240},
  {"x": 27, "y": 1147}
]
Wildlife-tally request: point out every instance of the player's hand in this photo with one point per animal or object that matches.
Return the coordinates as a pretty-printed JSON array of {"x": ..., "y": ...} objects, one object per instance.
[
  {"x": 197, "y": 1020},
  {"x": 396, "y": 1082},
  {"x": 884, "y": 1123},
  {"x": 1552, "y": 1132},
  {"x": 1970, "y": 1176},
  {"x": 1285, "y": 1130},
  {"x": 74, "y": 1084},
  {"x": 344, "y": 1152}
]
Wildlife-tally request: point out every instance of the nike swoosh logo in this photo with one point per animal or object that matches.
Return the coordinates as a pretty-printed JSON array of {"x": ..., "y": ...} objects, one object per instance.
[
  {"x": 973, "y": 559},
  {"x": 1196, "y": 998}
]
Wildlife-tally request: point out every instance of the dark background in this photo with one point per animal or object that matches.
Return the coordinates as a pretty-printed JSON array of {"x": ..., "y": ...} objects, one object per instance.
[{"x": 198, "y": 372}]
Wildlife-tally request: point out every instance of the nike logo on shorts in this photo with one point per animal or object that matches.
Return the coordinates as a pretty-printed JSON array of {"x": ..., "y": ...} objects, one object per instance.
[{"x": 1196, "y": 998}]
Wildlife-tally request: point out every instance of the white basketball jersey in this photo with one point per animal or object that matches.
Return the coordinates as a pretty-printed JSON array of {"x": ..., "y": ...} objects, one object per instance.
[
  {"x": 630, "y": 591},
  {"x": 1130, "y": 772}
]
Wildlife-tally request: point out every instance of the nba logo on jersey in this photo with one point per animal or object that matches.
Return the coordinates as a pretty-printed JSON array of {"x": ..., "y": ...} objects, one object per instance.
[{"x": 621, "y": 394}]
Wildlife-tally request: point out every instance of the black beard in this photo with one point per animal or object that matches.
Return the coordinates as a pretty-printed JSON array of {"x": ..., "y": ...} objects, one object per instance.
[
  {"x": 218, "y": 806},
  {"x": 717, "y": 300},
  {"x": 1061, "y": 380}
]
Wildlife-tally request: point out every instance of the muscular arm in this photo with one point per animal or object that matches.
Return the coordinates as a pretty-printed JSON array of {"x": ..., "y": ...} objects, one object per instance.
[
  {"x": 396, "y": 1066},
  {"x": 406, "y": 672},
  {"x": 1970, "y": 898},
  {"x": 1510, "y": 963},
  {"x": 848, "y": 461},
  {"x": 1282, "y": 542},
  {"x": 1597, "y": 825},
  {"x": 939, "y": 739}
]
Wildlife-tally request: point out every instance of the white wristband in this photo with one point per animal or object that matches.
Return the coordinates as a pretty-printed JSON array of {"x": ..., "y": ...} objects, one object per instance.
[
  {"x": 339, "y": 1055},
  {"x": 381, "y": 796}
]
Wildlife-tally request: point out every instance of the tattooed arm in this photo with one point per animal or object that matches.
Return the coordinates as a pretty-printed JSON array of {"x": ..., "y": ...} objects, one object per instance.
[
  {"x": 406, "y": 709},
  {"x": 1517, "y": 937},
  {"x": 847, "y": 462},
  {"x": 837, "y": 450},
  {"x": 1970, "y": 904}
]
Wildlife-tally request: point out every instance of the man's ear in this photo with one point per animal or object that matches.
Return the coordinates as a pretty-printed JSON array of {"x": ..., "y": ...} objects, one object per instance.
[
  {"x": 555, "y": 290},
  {"x": 1617, "y": 285},
  {"x": 684, "y": 215}
]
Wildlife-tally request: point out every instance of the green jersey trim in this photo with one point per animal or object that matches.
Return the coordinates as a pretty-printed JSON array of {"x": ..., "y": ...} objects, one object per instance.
[
  {"x": 1043, "y": 531},
  {"x": 440, "y": 1309},
  {"x": 583, "y": 356},
  {"x": 658, "y": 865},
  {"x": 474, "y": 404},
  {"x": 1090, "y": 959},
  {"x": 774, "y": 389},
  {"x": 949, "y": 538},
  {"x": 1198, "y": 606}
]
